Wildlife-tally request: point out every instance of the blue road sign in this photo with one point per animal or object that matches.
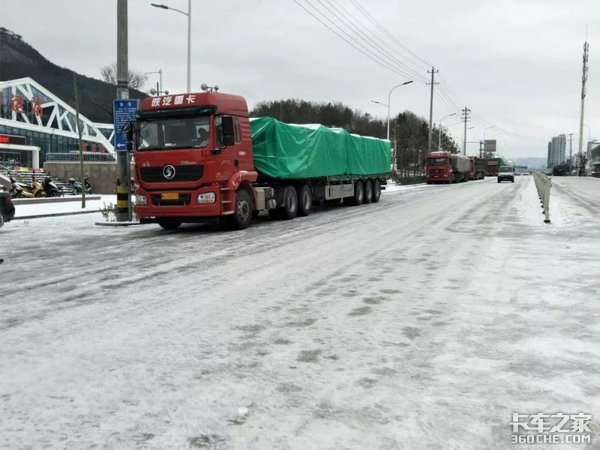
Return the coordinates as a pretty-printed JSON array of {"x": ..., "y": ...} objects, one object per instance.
[{"x": 123, "y": 113}]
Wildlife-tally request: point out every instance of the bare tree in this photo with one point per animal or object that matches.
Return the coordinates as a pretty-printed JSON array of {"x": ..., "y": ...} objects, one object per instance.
[{"x": 136, "y": 79}]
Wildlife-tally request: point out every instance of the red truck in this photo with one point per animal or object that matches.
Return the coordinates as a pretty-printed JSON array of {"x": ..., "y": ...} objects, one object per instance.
[
  {"x": 445, "y": 167},
  {"x": 477, "y": 170},
  {"x": 491, "y": 167},
  {"x": 198, "y": 156}
]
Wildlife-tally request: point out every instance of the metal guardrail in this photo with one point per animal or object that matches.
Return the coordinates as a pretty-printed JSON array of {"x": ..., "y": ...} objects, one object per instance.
[{"x": 543, "y": 185}]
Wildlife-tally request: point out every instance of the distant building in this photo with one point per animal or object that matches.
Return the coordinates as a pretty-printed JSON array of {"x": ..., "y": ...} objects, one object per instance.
[
  {"x": 557, "y": 149},
  {"x": 593, "y": 150},
  {"x": 37, "y": 126}
]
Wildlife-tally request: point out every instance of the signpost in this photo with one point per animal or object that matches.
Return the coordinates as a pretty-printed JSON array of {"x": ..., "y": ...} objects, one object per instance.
[
  {"x": 123, "y": 113},
  {"x": 489, "y": 145}
]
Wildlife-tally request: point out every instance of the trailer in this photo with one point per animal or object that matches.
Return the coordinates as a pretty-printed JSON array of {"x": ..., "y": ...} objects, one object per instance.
[
  {"x": 200, "y": 157},
  {"x": 477, "y": 169}
]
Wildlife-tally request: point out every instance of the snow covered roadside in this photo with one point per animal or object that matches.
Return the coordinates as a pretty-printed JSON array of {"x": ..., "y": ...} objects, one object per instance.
[{"x": 74, "y": 207}]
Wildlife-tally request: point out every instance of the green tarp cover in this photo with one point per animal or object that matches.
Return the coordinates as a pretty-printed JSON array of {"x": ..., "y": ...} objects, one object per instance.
[{"x": 291, "y": 151}]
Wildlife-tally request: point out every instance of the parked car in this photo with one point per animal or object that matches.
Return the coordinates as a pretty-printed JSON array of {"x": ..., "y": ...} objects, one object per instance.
[
  {"x": 7, "y": 209},
  {"x": 506, "y": 173}
]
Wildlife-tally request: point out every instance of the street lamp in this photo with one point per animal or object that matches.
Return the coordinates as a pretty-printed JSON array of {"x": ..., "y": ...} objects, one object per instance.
[
  {"x": 189, "y": 36},
  {"x": 440, "y": 131},
  {"x": 388, "y": 105}
]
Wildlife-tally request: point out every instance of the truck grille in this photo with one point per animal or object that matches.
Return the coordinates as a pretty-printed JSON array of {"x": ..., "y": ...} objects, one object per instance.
[{"x": 182, "y": 173}]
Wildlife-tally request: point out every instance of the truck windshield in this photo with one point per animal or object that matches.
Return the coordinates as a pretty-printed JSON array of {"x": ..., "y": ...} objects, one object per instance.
[
  {"x": 432, "y": 161},
  {"x": 185, "y": 132}
]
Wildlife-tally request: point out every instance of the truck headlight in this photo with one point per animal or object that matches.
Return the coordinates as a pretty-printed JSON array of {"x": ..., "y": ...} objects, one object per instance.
[
  {"x": 140, "y": 199},
  {"x": 207, "y": 197}
]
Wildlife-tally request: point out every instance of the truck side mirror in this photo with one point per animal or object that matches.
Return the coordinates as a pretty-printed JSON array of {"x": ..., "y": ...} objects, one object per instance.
[{"x": 228, "y": 133}]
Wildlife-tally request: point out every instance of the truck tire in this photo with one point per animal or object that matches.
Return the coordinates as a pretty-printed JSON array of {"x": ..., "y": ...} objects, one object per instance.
[
  {"x": 169, "y": 225},
  {"x": 368, "y": 191},
  {"x": 290, "y": 203},
  {"x": 359, "y": 194},
  {"x": 376, "y": 191},
  {"x": 242, "y": 213},
  {"x": 1, "y": 219},
  {"x": 304, "y": 200}
]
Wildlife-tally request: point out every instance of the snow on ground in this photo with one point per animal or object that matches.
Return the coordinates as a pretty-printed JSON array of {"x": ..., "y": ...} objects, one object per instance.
[
  {"x": 423, "y": 321},
  {"x": 40, "y": 209},
  {"x": 392, "y": 186}
]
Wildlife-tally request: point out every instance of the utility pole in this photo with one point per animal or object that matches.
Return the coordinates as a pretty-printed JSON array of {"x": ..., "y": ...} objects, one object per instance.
[
  {"x": 586, "y": 49},
  {"x": 433, "y": 71},
  {"x": 465, "y": 118},
  {"x": 123, "y": 169},
  {"x": 480, "y": 149}
]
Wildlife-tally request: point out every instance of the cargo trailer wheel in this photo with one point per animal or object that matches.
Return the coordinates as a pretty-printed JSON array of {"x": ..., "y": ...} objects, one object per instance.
[
  {"x": 169, "y": 225},
  {"x": 304, "y": 200},
  {"x": 290, "y": 203},
  {"x": 359, "y": 194},
  {"x": 242, "y": 213},
  {"x": 368, "y": 195},
  {"x": 1, "y": 219},
  {"x": 376, "y": 190}
]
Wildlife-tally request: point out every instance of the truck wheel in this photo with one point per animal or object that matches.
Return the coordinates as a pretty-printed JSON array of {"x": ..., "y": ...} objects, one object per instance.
[
  {"x": 376, "y": 191},
  {"x": 290, "y": 203},
  {"x": 304, "y": 200},
  {"x": 1, "y": 219},
  {"x": 359, "y": 194},
  {"x": 169, "y": 225},
  {"x": 242, "y": 214},
  {"x": 368, "y": 192}
]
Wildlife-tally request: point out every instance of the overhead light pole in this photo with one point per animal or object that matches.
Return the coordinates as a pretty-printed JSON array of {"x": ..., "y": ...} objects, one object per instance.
[
  {"x": 189, "y": 36},
  {"x": 440, "y": 131},
  {"x": 388, "y": 105},
  {"x": 388, "y": 116}
]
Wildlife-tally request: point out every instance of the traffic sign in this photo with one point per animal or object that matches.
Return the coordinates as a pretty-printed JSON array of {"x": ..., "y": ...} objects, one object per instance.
[{"x": 123, "y": 113}]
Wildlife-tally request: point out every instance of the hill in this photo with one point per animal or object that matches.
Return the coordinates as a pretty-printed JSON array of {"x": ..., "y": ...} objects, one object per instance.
[{"x": 19, "y": 59}]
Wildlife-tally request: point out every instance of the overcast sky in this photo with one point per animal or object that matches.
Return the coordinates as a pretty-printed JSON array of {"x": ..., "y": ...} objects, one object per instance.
[{"x": 515, "y": 63}]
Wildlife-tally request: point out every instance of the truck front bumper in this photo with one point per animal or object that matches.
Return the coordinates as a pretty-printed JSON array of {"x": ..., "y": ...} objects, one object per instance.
[{"x": 183, "y": 204}]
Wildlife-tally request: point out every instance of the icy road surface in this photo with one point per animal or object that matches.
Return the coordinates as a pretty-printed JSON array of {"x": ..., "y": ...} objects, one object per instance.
[{"x": 423, "y": 321}]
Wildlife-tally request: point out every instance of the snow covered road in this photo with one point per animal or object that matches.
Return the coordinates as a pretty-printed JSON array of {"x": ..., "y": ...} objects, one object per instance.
[{"x": 423, "y": 321}]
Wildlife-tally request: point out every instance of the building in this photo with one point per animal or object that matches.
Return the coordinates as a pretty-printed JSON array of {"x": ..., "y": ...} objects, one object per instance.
[
  {"x": 557, "y": 149},
  {"x": 36, "y": 126}
]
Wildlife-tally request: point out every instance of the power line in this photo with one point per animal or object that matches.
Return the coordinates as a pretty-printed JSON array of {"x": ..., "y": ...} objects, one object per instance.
[
  {"x": 372, "y": 46},
  {"x": 364, "y": 40},
  {"x": 367, "y": 33},
  {"x": 371, "y": 57},
  {"x": 388, "y": 34}
]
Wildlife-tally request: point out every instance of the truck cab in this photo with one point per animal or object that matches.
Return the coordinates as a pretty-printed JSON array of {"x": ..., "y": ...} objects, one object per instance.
[
  {"x": 438, "y": 168},
  {"x": 192, "y": 153}
]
